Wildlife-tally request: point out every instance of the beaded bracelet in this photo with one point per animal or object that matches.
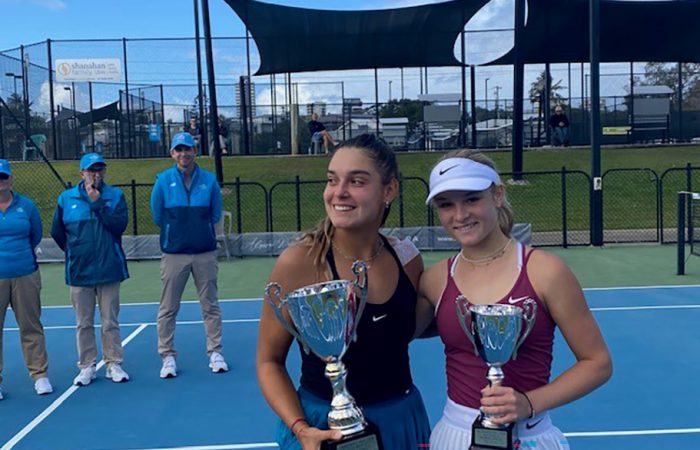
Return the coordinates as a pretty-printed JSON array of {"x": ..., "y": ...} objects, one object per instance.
[{"x": 296, "y": 421}]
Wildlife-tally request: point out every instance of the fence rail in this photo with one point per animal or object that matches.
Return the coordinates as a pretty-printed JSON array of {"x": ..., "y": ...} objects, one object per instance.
[{"x": 638, "y": 205}]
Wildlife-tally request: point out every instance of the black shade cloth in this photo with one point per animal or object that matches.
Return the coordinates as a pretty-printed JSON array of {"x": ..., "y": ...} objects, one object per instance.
[
  {"x": 106, "y": 112},
  {"x": 557, "y": 31},
  {"x": 291, "y": 39}
]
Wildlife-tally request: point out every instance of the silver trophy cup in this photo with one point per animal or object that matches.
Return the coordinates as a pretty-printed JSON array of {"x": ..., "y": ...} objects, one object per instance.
[
  {"x": 324, "y": 320},
  {"x": 496, "y": 331}
]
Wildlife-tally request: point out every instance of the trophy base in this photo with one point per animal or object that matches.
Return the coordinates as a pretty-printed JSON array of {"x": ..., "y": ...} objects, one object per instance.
[
  {"x": 367, "y": 439},
  {"x": 484, "y": 438}
]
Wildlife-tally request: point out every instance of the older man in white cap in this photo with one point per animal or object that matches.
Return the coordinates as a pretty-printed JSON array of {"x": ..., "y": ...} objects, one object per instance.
[{"x": 88, "y": 225}]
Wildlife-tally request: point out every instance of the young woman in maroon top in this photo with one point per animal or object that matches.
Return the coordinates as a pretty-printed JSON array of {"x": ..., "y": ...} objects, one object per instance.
[{"x": 490, "y": 268}]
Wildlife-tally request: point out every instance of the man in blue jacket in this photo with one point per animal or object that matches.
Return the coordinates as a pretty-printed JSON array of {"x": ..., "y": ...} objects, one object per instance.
[
  {"x": 186, "y": 204},
  {"x": 88, "y": 225}
]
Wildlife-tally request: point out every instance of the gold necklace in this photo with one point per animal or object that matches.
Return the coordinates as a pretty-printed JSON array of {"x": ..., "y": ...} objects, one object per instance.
[
  {"x": 367, "y": 261},
  {"x": 487, "y": 259}
]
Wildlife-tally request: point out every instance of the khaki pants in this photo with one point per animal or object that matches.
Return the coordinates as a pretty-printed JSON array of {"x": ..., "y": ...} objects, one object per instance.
[
  {"x": 107, "y": 297},
  {"x": 22, "y": 294},
  {"x": 175, "y": 270}
]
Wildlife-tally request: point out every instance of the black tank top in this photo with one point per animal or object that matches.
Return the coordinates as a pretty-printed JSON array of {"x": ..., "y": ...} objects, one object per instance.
[{"x": 377, "y": 363}]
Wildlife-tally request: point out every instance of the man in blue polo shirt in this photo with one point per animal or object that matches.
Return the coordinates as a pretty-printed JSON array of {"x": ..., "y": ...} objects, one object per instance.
[
  {"x": 20, "y": 280},
  {"x": 186, "y": 204},
  {"x": 88, "y": 225}
]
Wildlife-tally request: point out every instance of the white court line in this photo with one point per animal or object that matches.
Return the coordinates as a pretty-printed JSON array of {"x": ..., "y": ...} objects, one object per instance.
[
  {"x": 185, "y": 322},
  {"x": 221, "y": 447},
  {"x": 572, "y": 434},
  {"x": 197, "y": 322},
  {"x": 633, "y": 432},
  {"x": 243, "y": 300},
  {"x": 70, "y": 391},
  {"x": 631, "y": 288},
  {"x": 222, "y": 300}
]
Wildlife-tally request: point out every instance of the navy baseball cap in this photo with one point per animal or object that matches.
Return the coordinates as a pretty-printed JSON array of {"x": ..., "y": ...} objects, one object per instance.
[
  {"x": 90, "y": 159},
  {"x": 5, "y": 167},
  {"x": 182, "y": 138}
]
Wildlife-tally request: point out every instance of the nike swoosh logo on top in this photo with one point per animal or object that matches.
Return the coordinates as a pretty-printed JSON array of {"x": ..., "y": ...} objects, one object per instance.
[
  {"x": 530, "y": 426},
  {"x": 512, "y": 300},
  {"x": 443, "y": 171},
  {"x": 378, "y": 318}
]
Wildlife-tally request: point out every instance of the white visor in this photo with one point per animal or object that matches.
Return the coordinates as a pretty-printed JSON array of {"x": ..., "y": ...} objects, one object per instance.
[{"x": 460, "y": 174}]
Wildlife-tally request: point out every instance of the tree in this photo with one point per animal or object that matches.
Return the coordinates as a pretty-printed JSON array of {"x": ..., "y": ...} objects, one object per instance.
[
  {"x": 537, "y": 90},
  {"x": 411, "y": 109},
  {"x": 667, "y": 75}
]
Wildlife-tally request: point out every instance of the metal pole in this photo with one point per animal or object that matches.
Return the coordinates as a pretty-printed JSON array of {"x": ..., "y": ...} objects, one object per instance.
[
  {"x": 200, "y": 86},
  {"x": 56, "y": 151},
  {"x": 597, "y": 193},
  {"x": 251, "y": 91},
  {"x": 2, "y": 139},
  {"x": 680, "y": 101},
  {"x": 463, "y": 99},
  {"x": 680, "y": 254},
  {"x": 92, "y": 122},
  {"x": 472, "y": 85},
  {"x": 486, "y": 99},
  {"x": 547, "y": 99},
  {"x": 162, "y": 117},
  {"x": 402, "y": 91},
  {"x": 376, "y": 100},
  {"x": 130, "y": 149},
  {"x": 518, "y": 90},
  {"x": 213, "y": 113},
  {"x": 25, "y": 92}
]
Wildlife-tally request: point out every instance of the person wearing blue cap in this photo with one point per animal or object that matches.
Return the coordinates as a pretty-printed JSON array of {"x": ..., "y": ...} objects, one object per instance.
[
  {"x": 88, "y": 225},
  {"x": 20, "y": 280},
  {"x": 186, "y": 204}
]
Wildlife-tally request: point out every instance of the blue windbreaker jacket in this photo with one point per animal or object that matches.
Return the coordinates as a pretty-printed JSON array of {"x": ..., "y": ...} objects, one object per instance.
[
  {"x": 20, "y": 233},
  {"x": 90, "y": 233},
  {"x": 186, "y": 217}
]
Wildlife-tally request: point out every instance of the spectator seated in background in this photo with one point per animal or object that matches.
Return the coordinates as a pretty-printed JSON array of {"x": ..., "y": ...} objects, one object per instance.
[
  {"x": 195, "y": 130},
  {"x": 559, "y": 124},
  {"x": 319, "y": 135}
]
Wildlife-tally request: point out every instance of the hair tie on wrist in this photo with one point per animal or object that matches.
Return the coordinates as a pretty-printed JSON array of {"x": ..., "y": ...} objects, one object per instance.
[
  {"x": 532, "y": 409},
  {"x": 296, "y": 421}
]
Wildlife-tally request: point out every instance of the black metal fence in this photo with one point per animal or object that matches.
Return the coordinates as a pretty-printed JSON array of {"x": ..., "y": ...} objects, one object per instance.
[{"x": 639, "y": 205}]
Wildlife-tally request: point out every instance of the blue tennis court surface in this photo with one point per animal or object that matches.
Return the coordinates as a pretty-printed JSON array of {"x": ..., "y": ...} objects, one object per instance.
[{"x": 650, "y": 403}]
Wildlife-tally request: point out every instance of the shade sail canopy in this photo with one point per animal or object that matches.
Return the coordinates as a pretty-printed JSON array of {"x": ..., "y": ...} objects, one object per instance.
[
  {"x": 557, "y": 31},
  {"x": 291, "y": 39}
]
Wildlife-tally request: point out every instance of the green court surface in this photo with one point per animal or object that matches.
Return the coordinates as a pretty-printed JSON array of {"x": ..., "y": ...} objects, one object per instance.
[{"x": 613, "y": 266}]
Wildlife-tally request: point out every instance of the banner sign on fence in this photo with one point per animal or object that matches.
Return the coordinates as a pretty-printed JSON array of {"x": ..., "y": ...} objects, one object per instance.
[
  {"x": 154, "y": 132},
  {"x": 88, "y": 70}
]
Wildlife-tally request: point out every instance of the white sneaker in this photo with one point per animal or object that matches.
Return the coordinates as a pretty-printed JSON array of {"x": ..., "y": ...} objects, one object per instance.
[
  {"x": 169, "y": 369},
  {"x": 116, "y": 373},
  {"x": 43, "y": 386},
  {"x": 85, "y": 376},
  {"x": 217, "y": 363}
]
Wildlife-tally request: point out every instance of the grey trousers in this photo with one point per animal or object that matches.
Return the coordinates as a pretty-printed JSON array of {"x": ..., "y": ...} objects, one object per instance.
[
  {"x": 22, "y": 293},
  {"x": 84, "y": 299},
  {"x": 175, "y": 270}
]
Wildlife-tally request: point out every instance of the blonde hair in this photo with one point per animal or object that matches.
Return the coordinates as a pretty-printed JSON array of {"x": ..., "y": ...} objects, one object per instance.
[
  {"x": 505, "y": 211},
  {"x": 319, "y": 239}
]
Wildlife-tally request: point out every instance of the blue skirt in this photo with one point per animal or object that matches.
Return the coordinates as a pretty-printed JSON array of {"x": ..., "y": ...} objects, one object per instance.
[{"x": 402, "y": 422}]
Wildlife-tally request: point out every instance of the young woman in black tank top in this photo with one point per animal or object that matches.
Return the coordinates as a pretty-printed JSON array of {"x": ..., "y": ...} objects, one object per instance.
[{"x": 362, "y": 183}]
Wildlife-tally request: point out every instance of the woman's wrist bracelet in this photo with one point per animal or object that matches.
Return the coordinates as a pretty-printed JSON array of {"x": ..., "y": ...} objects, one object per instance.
[
  {"x": 529, "y": 402},
  {"x": 295, "y": 423}
]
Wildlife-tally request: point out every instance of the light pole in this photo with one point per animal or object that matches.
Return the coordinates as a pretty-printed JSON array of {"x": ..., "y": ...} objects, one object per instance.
[
  {"x": 71, "y": 89},
  {"x": 496, "y": 92},
  {"x": 486, "y": 100},
  {"x": 390, "y": 90},
  {"x": 16, "y": 77}
]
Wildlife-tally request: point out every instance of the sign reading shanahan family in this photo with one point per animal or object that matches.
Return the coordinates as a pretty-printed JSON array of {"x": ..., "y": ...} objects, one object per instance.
[{"x": 88, "y": 70}]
